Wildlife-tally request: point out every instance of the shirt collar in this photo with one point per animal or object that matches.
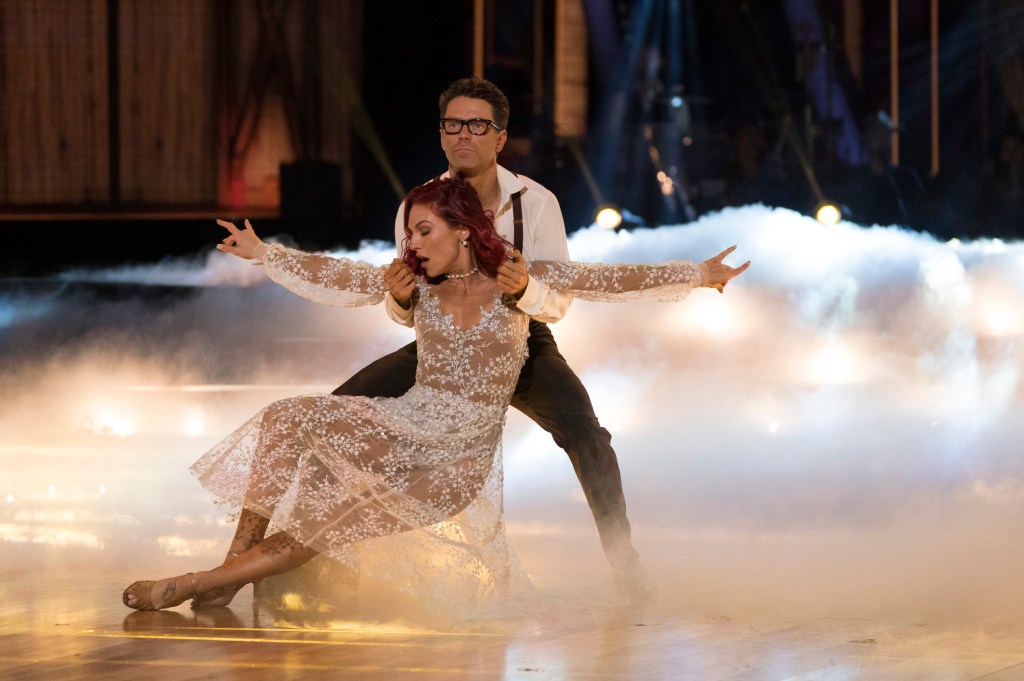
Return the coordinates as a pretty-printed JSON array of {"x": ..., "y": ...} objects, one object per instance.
[{"x": 508, "y": 182}]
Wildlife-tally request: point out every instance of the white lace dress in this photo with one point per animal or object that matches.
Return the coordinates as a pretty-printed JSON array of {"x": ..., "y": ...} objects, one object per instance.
[{"x": 416, "y": 478}]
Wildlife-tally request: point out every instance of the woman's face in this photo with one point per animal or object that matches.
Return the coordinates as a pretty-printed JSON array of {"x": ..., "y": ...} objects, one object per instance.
[{"x": 436, "y": 243}]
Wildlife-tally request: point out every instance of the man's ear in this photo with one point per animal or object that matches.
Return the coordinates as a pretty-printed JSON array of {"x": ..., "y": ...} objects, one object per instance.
[{"x": 502, "y": 137}]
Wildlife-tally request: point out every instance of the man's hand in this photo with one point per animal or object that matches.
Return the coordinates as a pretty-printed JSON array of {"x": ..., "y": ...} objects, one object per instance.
[
  {"x": 401, "y": 282},
  {"x": 512, "y": 277}
]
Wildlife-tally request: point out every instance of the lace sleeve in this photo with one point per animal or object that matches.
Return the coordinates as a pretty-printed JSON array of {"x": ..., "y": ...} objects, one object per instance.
[
  {"x": 619, "y": 283},
  {"x": 323, "y": 279}
]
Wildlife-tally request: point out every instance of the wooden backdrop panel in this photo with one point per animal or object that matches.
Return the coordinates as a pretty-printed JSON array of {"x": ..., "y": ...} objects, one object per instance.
[
  {"x": 167, "y": 107},
  {"x": 54, "y": 126},
  {"x": 177, "y": 91}
]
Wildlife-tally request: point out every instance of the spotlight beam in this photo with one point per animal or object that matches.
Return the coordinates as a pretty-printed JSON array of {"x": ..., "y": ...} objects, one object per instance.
[{"x": 577, "y": 154}]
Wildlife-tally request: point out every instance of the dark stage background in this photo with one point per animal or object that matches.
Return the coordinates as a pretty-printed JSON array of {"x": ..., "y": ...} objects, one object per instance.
[{"x": 126, "y": 129}]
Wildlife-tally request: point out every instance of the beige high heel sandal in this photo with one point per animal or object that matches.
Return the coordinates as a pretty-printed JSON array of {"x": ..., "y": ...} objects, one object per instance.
[{"x": 142, "y": 592}]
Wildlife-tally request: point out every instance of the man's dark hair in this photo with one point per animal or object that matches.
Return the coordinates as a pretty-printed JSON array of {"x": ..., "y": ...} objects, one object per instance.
[{"x": 478, "y": 88}]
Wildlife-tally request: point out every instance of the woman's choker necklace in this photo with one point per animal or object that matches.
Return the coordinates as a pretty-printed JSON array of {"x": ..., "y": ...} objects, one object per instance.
[{"x": 455, "y": 277}]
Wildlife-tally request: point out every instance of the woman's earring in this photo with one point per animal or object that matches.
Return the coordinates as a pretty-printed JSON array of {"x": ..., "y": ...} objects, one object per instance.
[{"x": 464, "y": 242}]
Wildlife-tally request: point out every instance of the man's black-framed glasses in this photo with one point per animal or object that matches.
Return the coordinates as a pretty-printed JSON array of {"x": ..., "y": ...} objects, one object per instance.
[{"x": 477, "y": 126}]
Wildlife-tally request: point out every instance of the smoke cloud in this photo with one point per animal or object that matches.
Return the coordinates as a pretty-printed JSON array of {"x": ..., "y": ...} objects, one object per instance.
[{"x": 840, "y": 429}]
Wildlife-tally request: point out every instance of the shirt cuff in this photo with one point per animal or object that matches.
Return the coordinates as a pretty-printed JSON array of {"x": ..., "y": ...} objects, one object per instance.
[
  {"x": 532, "y": 300},
  {"x": 398, "y": 313}
]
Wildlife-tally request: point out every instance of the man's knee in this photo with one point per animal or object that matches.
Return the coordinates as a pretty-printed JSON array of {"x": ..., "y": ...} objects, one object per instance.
[{"x": 582, "y": 436}]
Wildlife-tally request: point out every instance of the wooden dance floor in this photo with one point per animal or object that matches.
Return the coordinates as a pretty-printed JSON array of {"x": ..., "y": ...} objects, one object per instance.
[{"x": 59, "y": 622}]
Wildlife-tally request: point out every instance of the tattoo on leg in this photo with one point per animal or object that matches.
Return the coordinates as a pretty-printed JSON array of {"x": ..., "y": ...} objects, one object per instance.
[{"x": 169, "y": 590}]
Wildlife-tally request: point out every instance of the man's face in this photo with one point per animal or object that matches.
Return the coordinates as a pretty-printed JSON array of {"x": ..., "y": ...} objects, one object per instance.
[{"x": 470, "y": 154}]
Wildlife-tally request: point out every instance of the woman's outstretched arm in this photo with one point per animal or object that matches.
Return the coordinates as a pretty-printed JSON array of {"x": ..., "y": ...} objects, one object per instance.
[
  {"x": 320, "y": 278},
  {"x": 616, "y": 283}
]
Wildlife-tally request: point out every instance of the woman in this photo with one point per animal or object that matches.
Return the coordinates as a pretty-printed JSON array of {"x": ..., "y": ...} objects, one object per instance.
[{"x": 422, "y": 469}]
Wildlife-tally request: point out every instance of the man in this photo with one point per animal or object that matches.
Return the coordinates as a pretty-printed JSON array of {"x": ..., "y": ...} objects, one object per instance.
[{"x": 474, "y": 116}]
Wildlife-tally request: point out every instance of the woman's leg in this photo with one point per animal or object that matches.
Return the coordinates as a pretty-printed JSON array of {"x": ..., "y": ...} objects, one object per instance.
[
  {"x": 249, "y": 532},
  {"x": 274, "y": 555},
  {"x": 276, "y": 429}
]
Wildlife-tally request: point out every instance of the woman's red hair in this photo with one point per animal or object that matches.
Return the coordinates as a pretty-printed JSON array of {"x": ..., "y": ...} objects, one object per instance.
[{"x": 455, "y": 201}]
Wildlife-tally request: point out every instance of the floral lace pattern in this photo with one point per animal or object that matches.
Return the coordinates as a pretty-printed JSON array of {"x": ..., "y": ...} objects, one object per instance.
[
  {"x": 416, "y": 479},
  {"x": 667, "y": 282}
]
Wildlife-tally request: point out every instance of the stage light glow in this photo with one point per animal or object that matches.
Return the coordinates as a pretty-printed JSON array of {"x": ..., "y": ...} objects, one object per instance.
[
  {"x": 195, "y": 424},
  {"x": 834, "y": 364},
  {"x": 53, "y": 536},
  {"x": 707, "y": 313},
  {"x": 608, "y": 217},
  {"x": 177, "y": 545},
  {"x": 292, "y": 602},
  {"x": 998, "y": 318},
  {"x": 107, "y": 421},
  {"x": 667, "y": 186},
  {"x": 828, "y": 213}
]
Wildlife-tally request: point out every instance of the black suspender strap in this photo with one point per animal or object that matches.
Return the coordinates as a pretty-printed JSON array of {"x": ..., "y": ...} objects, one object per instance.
[{"x": 517, "y": 220}]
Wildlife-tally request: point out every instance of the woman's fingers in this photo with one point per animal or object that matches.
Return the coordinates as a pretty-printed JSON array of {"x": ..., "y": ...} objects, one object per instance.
[
  {"x": 721, "y": 256},
  {"x": 230, "y": 226},
  {"x": 720, "y": 274}
]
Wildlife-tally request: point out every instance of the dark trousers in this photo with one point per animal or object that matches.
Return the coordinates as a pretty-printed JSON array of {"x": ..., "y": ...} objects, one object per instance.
[{"x": 549, "y": 393}]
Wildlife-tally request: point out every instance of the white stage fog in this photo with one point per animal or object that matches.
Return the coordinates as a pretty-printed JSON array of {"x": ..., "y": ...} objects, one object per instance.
[{"x": 840, "y": 431}]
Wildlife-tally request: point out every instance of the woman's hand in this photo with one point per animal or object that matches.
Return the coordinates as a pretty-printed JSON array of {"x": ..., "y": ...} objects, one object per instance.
[
  {"x": 241, "y": 242},
  {"x": 719, "y": 274}
]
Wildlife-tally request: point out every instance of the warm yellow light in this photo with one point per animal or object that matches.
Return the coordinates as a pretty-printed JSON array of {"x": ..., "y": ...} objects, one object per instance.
[
  {"x": 608, "y": 218},
  {"x": 195, "y": 424},
  {"x": 108, "y": 420},
  {"x": 293, "y": 602},
  {"x": 828, "y": 213},
  {"x": 997, "y": 314},
  {"x": 834, "y": 364}
]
